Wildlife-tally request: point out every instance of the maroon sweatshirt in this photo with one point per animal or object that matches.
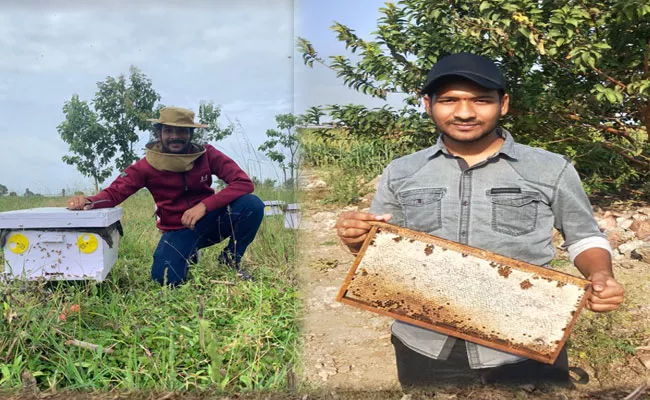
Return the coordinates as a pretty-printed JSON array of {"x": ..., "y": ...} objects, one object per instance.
[{"x": 176, "y": 192}]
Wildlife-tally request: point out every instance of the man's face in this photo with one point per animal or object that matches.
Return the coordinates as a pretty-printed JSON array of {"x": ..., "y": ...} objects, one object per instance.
[
  {"x": 175, "y": 139},
  {"x": 466, "y": 112}
]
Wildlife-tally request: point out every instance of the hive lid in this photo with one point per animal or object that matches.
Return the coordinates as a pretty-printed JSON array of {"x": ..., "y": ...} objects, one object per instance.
[
  {"x": 274, "y": 203},
  {"x": 59, "y": 217}
]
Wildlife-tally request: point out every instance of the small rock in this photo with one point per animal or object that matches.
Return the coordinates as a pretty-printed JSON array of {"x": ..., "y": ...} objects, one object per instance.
[
  {"x": 318, "y": 184},
  {"x": 641, "y": 228},
  {"x": 623, "y": 223},
  {"x": 607, "y": 223},
  {"x": 627, "y": 247},
  {"x": 618, "y": 236},
  {"x": 528, "y": 388},
  {"x": 641, "y": 253},
  {"x": 28, "y": 381},
  {"x": 324, "y": 375},
  {"x": 407, "y": 397},
  {"x": 615, "y": 237}
]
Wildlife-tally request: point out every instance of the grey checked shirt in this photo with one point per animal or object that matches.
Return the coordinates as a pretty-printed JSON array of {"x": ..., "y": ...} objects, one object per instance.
[{"x": 507, "y": 204}]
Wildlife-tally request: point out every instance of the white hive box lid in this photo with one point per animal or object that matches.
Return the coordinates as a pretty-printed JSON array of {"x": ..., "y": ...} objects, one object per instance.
[
  {"x": 274, "y": 202},
  {"x": 59, "y": 217}
]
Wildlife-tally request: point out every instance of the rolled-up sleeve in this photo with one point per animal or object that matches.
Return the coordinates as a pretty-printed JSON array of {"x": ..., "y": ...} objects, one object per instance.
[
  {"x": 385, "y": 200},
  {"x": 572, "y": 209}
]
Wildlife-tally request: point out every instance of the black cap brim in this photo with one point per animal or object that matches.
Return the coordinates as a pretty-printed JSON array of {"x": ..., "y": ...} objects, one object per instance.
[{"x": 478, "y": 79}]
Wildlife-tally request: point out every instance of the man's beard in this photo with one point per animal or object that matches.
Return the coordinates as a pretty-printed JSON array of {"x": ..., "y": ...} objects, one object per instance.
[{"x": 184, "y": 150}]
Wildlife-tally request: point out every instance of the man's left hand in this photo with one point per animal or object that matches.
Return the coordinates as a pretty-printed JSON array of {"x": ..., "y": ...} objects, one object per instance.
[
  {"x": 193, "y": 215},
  {"x": 606, "y": 293}
]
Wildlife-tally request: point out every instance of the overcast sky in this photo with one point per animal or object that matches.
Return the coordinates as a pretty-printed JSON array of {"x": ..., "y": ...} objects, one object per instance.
[{"x": 239, "y": 54}]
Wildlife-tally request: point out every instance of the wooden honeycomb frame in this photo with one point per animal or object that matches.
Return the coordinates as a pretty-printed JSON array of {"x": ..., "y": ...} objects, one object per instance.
[{"x": 544, "y": 303}]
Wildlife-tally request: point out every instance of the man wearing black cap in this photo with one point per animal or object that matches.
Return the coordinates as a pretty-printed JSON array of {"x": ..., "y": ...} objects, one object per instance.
[{"x": 477, "y": 186}]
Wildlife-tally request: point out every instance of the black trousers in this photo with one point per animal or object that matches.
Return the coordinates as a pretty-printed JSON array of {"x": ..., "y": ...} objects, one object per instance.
[{"x": 417, "y": 371}]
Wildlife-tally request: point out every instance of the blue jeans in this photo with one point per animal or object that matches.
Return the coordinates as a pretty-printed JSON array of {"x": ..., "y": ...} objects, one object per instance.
[{"x": 238, "y": 221}]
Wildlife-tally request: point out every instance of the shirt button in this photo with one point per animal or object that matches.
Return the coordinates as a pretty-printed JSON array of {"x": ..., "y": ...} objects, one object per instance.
[
  {"x": 463, "y": 233},
  {"x": 465, "y": 203}
]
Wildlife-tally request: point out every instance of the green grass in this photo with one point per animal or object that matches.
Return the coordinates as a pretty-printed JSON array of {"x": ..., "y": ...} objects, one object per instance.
[
  {"x": 346, "y": 162},
  {"x": 202, "y": 335}
]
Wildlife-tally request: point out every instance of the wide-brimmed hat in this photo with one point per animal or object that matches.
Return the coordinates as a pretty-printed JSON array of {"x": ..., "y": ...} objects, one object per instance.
[{"x": 176, "y": 116}]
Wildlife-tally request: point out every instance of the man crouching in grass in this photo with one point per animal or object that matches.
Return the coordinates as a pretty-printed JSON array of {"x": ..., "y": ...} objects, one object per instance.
[{"x": 178, "y": 173}]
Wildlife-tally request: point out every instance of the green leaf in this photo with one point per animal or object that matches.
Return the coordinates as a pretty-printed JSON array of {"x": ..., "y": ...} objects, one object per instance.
[{"x": 610, "y": 95}]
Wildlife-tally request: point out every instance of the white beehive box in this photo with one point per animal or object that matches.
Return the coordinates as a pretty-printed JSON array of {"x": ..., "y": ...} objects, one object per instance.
[
  {"x": 55, "y": 243},
  {"x": 273, "y": 207},
  {"x": 292, "y": 216}
]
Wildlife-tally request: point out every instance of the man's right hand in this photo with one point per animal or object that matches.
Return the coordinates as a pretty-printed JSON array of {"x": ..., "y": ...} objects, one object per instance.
[
  {"x": 352, "y": 227},
  {"x": 79, "y": 203}
]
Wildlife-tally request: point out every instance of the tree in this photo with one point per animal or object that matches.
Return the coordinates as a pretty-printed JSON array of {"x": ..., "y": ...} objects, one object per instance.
[
  {"x": 106, "y": 135},
  {"x": 123, "y": 107},
  {"x": 313, "y": 115},
  {"x": 578, "y": 72},
  {"x": 90, "y": 142},
  {"x": 283, "y": 139},
  {"x": 3, "y": 190},
  {"x": 268, "y": 182},
  {"x": 209, "y": 115}
]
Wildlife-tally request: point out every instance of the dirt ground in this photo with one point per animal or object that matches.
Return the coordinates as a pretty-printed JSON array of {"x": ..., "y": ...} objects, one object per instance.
[{"x": 345, "y": 348}]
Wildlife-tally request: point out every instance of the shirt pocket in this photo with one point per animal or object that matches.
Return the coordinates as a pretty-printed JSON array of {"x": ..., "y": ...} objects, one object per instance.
[
  {"x": 422, "y": 208},
  {"x": 514, "y": 214}
]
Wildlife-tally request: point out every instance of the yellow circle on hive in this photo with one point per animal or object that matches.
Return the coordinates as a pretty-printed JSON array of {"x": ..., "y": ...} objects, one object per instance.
[
  {"x": 18, "y": 243},
  {"x": 87, "y": 243}
]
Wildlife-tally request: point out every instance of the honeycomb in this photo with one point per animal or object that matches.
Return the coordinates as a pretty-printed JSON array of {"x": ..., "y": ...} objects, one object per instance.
[{"x": 465, "y": 292}]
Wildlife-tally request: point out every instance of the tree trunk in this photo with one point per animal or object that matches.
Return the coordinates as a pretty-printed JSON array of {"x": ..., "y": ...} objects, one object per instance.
[
  {"x": 96, "y": 186},
  {"x": 293, "y": 179}
]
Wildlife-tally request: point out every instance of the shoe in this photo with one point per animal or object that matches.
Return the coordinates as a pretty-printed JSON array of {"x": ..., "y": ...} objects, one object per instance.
[
  {"x": 241, "y": 273},
  {"x": 245, "y": 276}
]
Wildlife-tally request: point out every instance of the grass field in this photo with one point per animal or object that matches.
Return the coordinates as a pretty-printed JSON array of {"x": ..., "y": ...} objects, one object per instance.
[{"x": 202, "y": 335}]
